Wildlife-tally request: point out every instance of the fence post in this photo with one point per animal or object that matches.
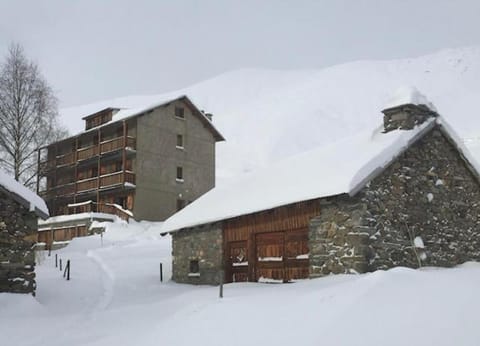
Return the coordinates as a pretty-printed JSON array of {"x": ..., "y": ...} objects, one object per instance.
[
  {"x": 56, "y": 260},
  {"x": 60, "y": 264},
  {"x": 221, "y": 284},
  {"x": 68, "y": 272},
  {"x": 161, "y": 272}
]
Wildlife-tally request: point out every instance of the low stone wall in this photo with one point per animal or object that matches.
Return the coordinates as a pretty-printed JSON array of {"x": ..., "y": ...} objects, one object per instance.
[
  {"x": 203, "y": 244},
  {"x": 18, "y": 228}
]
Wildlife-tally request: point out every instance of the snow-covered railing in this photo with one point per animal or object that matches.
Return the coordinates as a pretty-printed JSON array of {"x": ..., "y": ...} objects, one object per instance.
[{"x": 108, "y": 208}]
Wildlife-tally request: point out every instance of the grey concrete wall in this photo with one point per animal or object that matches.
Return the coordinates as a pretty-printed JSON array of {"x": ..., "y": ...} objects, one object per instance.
[
  {"x": 204, "y": 244},
  {"x": 18, "y": 227},
  {"x": 157, "y": 160}
]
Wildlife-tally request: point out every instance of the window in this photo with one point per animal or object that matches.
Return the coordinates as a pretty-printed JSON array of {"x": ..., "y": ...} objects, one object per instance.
[
  {"x": 179, "y": 112},
  {"x": 180, "y": 174},
  {"x": 180, "y": 141},
  {"x": 194, "y": 267},
  {"x": 180, "y": 204}
]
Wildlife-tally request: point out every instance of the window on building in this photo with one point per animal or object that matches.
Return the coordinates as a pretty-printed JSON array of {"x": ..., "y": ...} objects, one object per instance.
[
  {"x": 194, "y": 267},
  {"x": 179, "y": 173},
  {"x": 180, "y": 112},
  {"x": 180, "y": 141},
  {"x": 180, "y": 204}
]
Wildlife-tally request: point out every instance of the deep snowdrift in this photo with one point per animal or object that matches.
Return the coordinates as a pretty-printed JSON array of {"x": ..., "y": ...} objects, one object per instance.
[
  {"x": 266, "y": 115},
  {"x": 115, "y": 298}
]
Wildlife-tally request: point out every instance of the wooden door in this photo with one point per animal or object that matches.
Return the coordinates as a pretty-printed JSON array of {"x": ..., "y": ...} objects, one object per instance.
[
  {"x": 269, "y": 255},
  {"x": 236, "y": 262},
  {"x": 296, "y": 255}
]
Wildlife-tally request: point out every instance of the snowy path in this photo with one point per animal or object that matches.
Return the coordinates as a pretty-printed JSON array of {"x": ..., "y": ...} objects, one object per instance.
[{"x": 115, "y": 298}]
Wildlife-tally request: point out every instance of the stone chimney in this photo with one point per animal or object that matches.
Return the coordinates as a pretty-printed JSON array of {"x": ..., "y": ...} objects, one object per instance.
[{"x": 407, "y": 109}]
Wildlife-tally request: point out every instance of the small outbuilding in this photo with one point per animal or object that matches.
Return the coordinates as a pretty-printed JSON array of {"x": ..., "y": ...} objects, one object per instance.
[
  {"x": 405, "y": 194},
  {"x": 20, "y": 209}
]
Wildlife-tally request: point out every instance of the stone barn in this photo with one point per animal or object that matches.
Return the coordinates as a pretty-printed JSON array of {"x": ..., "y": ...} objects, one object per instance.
[
  {"x": 405, "y": 194},
  {"x": 20, "y": 209}
]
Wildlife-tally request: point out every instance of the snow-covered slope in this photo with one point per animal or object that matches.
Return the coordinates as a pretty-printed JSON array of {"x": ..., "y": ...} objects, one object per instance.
[
  {"x": 266, "y": 115},
  {"x": 115, "y": 298}
]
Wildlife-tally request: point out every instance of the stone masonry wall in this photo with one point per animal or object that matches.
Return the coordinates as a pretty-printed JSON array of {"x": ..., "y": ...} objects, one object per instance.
[
  {"x": 338, "y": 240},
  {"x": 204, "y": 244},
  {"x": 428, "y": 195},
  {"x": 18, "y": 229}
]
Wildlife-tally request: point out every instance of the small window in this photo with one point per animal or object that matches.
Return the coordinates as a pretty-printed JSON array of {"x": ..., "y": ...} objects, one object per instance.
[
  {"x": 179, "y": 173},
  {"x": 180, "y": 204},
  {"x": 180, "y": 141},
  {"x": 194, "y": 267},
  {"x": 179, "y": 112}
]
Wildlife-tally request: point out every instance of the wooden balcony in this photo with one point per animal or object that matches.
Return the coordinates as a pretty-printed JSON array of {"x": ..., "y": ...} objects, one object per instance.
[
  {"x": 87, "y": 153},
  {"x": 66, "y": 159},
  {"x": 117, "y": 178},
  {"x": 117, "y": 144},
  {"x": 87, "y": 185}
]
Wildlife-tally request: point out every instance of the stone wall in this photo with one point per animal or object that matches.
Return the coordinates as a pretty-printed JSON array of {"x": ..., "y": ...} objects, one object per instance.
[
  {"x": 427, "y": 196},
  {"x": 338, "y": 240},
  {"x": 18, "y": 229},
  {"x": 203, "y": 244}
]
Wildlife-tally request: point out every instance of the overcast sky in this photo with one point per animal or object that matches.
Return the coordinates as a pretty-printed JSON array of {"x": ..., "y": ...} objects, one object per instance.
[{"x": 92, "y": 50}]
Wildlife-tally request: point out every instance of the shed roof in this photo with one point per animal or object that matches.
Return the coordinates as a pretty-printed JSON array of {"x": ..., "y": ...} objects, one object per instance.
[
  {"x": 343, "y": 167},
  {"x": 23, "y": 195}
]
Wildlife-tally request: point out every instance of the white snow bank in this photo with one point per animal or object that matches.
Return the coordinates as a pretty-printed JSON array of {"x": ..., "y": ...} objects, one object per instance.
[
  {"x": 342, "y": 167},
  {"x": 29, "y": 196},
  {"x": 409, "y": 95},
  {"x": 75, "y": 217}
]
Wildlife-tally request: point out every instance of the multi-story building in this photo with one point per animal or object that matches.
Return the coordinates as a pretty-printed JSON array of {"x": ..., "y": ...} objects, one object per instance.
[{"x": 148, "y": 162}]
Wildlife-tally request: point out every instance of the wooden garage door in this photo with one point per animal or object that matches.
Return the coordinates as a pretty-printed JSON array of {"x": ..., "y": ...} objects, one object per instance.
[{"x": 281, "y": 256}]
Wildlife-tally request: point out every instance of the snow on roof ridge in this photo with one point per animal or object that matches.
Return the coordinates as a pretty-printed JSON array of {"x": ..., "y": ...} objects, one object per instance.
[{"x": 34, "y": 202}]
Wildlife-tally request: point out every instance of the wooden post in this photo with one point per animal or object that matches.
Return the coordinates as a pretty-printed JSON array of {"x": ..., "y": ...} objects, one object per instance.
[
  {"x": 124, "y": 152},
  {"x": 221, "y": 284},
  {"x": 56, "y": 260},
  {"x": 67, "y": 270},
  {"x": 60, "y": 264},
  {"x": 38, "y": 171},
  {"x": 161, "y": 272}
]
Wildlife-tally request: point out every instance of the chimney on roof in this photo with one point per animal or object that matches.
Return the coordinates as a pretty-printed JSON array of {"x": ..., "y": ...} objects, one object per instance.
[{"x": 407, "y": 109}]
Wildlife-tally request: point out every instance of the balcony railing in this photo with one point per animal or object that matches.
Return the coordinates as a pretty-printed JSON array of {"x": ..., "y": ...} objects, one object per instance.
[
  {"x": 89, "y": 152},
  {"x": 108, "y": 208},
  {"x": 87, "y": 185}
]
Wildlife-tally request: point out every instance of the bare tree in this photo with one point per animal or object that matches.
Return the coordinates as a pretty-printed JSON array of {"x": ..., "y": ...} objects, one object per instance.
[{"x": 28, "y": 115}]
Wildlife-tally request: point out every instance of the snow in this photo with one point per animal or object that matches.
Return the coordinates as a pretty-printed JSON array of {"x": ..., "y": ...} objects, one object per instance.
[
  {"x": 115, "y": 298},
  {"x": 268, "y": 115},
  {"x": 430, "y": 197},
  {"x": 342, "y": 167},
  {"x": 418, "y": 241},
  {"x": 409, "y": 95},
  {"x": 35, "y": 201},
  {"x": 75, "y": 217}
]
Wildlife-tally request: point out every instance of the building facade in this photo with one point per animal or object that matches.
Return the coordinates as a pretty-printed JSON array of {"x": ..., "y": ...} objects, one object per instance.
[
  {"x": 415, "y": 204},
  {"x": 146, "y": 164}
]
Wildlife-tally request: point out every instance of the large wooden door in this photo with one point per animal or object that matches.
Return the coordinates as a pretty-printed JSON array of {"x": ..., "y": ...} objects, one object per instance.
[
  {"x": 281, "y": 256},
  {"x": 237, "y": 261}
]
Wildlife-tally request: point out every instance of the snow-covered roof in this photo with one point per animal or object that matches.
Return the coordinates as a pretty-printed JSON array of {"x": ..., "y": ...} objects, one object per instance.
[
  {"x": 23, "y": 195},
  {"x": 343, "y": 167},
  {"x": 132, "y": 106},
  {"x": 409, "y": 95}
]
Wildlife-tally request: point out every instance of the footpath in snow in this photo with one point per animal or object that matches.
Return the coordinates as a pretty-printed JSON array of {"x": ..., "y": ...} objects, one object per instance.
[{"x": 115, "y": 297}]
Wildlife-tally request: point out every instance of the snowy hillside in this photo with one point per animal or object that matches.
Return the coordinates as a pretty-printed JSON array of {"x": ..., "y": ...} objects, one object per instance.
[
  {"x": 115, "y": 298},
  {"x": 266, "y": 115}
]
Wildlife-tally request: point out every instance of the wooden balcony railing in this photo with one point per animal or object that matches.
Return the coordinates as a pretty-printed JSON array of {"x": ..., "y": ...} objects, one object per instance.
[
  {"x": 108, "y": 208},
  {"x": 89, "y": 152},
  {"x": 117, "y": 178},
  {"x": 86, "y": 153},
  {"x": 87, "y": 184}
]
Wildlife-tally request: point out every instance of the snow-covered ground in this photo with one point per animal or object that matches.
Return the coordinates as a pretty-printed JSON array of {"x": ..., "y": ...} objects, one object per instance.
[{"x": 115, "y": 298}]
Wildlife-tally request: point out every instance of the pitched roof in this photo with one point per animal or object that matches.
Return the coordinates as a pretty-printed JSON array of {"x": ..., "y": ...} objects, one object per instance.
[
  {"x": 343, "y": 167},
  {"x": 23, "y": 195},
  {"x": 135, "y": 106}
]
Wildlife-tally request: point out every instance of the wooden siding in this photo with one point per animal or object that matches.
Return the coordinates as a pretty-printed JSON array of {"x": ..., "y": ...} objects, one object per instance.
[{"x": 254, "y": 235}]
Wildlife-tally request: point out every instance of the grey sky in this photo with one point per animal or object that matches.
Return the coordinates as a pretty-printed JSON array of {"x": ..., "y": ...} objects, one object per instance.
[{"x": 92, "y": 50}]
